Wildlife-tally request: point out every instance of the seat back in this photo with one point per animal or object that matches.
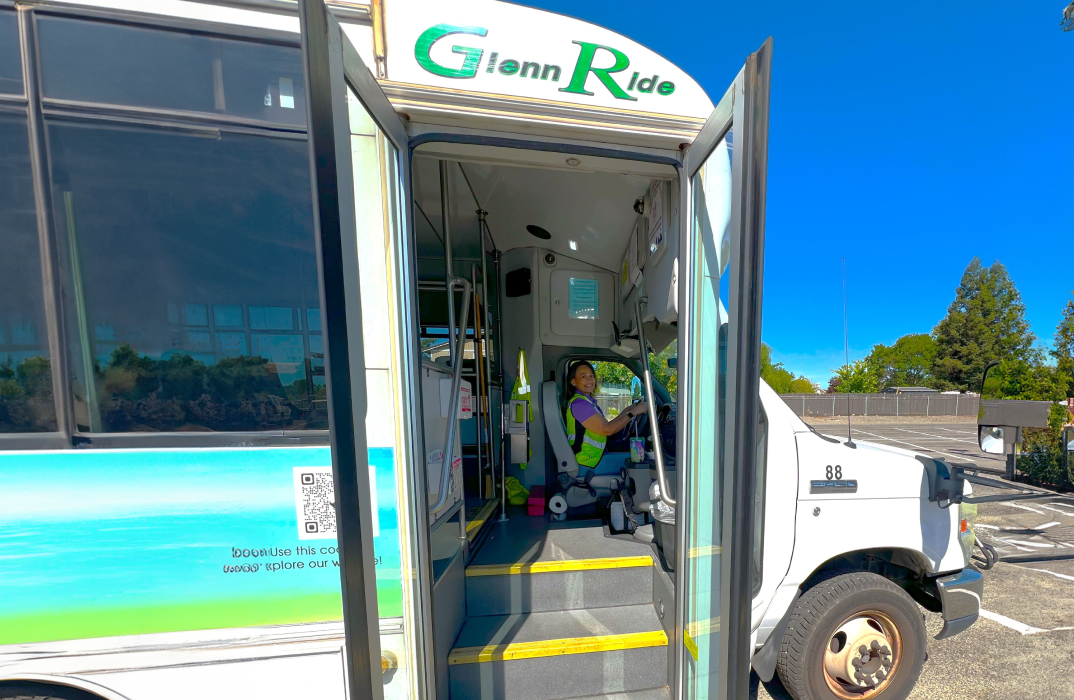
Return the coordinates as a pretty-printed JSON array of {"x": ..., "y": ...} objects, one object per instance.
[{"x": 557, "y": 430}]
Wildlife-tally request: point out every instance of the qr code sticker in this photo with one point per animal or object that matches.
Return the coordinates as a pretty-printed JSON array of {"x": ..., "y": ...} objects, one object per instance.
[{"x": 315, "y": 501}]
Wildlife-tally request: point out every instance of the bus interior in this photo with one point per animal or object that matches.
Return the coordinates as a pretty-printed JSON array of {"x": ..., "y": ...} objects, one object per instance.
[{"x": 563, "y": 254}]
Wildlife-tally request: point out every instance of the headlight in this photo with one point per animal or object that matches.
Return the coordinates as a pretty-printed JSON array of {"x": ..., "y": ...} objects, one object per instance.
[{"x": 967, "y": 516}]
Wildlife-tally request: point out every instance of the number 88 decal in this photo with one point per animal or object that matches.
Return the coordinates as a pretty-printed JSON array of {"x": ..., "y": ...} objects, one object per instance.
[{"x": 838, "y": 472}]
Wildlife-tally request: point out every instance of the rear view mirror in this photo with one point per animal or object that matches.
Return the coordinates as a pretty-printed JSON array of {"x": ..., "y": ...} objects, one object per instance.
[{"x": 990, "y": 438}]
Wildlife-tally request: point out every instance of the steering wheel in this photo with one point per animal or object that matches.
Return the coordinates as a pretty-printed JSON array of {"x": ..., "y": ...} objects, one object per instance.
[{"x": 639, "y": 424}]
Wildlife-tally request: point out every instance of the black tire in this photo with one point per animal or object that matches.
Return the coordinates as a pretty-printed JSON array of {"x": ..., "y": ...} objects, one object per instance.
[{"x": 818, "y": 615}]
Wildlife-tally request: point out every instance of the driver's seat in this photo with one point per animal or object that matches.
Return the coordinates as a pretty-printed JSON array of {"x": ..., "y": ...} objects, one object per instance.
[{"x": 567, "y": 467}]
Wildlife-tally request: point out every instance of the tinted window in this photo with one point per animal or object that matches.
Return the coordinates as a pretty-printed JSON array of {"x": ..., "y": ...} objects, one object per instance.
[
  {"x": 10, "y": 61},
  {"x": 134, "y": 66},
  {"x": 190, "y": 281},
  {"x": 25, "y": 376}
]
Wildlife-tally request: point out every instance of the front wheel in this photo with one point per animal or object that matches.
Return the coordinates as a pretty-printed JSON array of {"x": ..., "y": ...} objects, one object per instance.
[{"x": 852, "y": 637}]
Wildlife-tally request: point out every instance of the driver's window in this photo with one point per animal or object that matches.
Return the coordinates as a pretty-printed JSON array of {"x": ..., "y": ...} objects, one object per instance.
[
  {"x": 617, "y": 387},
  {"x": 664, "y": 368}
]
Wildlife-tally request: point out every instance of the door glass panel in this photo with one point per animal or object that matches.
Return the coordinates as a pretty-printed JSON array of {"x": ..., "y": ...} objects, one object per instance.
[
  {"x": 710, "y": 230},
  {"x": 380, "y": 241},
  {"x": 10, "y": 57},
  {"x": 26, "y": 404},
  {"x": 189, "y": 268},
  {"x": 119, "y": 64}
]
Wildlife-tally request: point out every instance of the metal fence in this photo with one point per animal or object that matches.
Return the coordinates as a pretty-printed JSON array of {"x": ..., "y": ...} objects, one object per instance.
[{"x": 883, "y": 404}]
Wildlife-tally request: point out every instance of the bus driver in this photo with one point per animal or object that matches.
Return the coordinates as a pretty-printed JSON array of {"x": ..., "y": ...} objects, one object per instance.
[{"x": 587, "y": 428}]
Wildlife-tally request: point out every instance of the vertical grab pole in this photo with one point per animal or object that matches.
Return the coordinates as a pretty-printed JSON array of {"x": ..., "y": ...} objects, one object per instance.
[
  {"x": 449, "y": 277},
  {"x": 503, "y": 388},
  {"x": 658, "y": 451},
  {"x": 482, "y": 384},
  {"x": 453, "y": 413},
  {"x": 481, "y": 214}
]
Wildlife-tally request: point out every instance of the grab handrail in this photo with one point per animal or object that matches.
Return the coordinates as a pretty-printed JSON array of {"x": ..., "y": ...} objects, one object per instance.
[
  {"x": 654, "y": 428},
  {"x": 456, "y": 384}
]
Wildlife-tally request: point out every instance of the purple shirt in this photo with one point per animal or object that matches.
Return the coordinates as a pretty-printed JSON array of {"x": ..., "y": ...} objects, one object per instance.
[{"x": 585, "y": 409}]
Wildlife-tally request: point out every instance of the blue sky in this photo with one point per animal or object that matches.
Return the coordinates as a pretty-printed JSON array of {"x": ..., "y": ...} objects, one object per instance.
[{"x": 907, "y": 137}]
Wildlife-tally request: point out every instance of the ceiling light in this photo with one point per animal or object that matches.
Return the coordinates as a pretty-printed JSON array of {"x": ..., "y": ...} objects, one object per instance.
[
  {"x": 573, "y": 162},
  {"x": 538, "y": 232},
  {"x": 574, "y": 246}
]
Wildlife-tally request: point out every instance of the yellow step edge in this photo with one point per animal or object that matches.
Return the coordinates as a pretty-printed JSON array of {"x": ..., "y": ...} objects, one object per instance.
[
  {"x": 546, "y": 567},
  {"x": 480, "y": 517},
  {"x": 556, "y": 647}
]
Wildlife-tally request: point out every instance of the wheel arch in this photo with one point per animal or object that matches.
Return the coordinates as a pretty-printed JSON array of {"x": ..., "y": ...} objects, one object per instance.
[
  {"x": 85, "y": 689},
  {"x": 908, "y": 568}
]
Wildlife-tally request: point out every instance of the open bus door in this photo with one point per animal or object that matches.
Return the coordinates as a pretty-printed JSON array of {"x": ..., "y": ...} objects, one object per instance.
[
  {"x": 721, "y": 260},
  {"x": 358, "y": 167}
]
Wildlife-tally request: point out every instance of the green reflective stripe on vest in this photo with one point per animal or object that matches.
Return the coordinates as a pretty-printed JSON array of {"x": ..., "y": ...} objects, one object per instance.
[{"x": 592, "y": 443}]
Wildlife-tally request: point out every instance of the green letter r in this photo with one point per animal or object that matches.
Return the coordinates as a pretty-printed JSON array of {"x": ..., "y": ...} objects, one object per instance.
[{"x": 584, "y": 67}]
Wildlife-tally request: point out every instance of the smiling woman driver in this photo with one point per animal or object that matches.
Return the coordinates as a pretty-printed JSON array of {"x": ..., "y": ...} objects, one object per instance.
[{"x": 587, "y": 428}]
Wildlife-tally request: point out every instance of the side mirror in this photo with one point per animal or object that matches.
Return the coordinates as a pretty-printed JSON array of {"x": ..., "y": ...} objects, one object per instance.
[{"x": 990, "y": 438}]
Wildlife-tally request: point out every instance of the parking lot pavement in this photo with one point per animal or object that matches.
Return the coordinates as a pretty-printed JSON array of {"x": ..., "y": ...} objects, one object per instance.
[{"x": 1024, "y": 640}]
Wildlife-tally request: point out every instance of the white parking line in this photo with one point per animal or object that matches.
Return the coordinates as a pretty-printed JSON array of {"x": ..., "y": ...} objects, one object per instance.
[
  {"x": 1017, "y": 626},
  {"x": 916, "y": 447},
  {"x": 1056, "y": 510},
  {"x": 1045, "y": 571},
  {"x": 1064, "y": 505},
  {"x": 938, "y": 437},
  {"x": 1020, "y": 548},
  {"x": 1045, "y": 526},
  {"x": 1024, "y": 507},
  {"x": 1030, "y": 544}
]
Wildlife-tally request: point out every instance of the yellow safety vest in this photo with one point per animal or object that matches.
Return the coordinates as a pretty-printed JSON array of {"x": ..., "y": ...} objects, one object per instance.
[{"x": 592, "y": 443}]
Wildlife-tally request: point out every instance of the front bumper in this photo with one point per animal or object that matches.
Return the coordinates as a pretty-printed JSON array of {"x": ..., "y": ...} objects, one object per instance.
[{"x": 960, "y": 600}]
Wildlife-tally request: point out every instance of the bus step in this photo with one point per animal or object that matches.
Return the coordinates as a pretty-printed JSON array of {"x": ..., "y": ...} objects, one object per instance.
[
  {"x": 653, "y": 694},
  {"x": 559, "y": 655},
  {"x": 572, "y": 584}
]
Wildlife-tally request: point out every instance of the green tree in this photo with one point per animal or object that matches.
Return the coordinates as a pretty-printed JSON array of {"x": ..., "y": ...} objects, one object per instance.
[
  {"x": 780, "y": 378},
  {"x": 801, "y": 385},
  {"x": 855, "y": 378},
  {"x": 907, "y": 362},
  {"x": 1063, "y": 352},
  {"x": 775, "y": 375},
  {"x": 985, "y": 322},
  {"x": 658, "y": 365},
  {"x": 612, "y": 374}
]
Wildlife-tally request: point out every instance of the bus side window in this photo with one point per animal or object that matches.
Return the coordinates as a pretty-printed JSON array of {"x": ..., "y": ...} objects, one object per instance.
[
  {"x": 90, "y": 61},
  {"x": 10, "y": 60},
  {"x": 190, "y": 280},
  {"x": 26, "y": 400}
]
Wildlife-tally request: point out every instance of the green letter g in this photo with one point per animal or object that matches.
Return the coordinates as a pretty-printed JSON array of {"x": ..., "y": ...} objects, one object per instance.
[{"x": 430, "y": 37}]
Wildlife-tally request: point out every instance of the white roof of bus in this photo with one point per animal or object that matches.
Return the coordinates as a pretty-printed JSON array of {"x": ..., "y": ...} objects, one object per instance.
[{"x": 458, "y": 39}]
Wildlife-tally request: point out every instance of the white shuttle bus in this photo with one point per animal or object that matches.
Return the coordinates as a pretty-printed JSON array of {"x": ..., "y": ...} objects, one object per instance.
[{"x": 410, "y": 350}]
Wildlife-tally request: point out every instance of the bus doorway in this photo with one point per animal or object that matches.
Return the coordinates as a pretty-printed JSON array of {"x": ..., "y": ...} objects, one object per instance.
[{"x": 529, "y": 255}]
